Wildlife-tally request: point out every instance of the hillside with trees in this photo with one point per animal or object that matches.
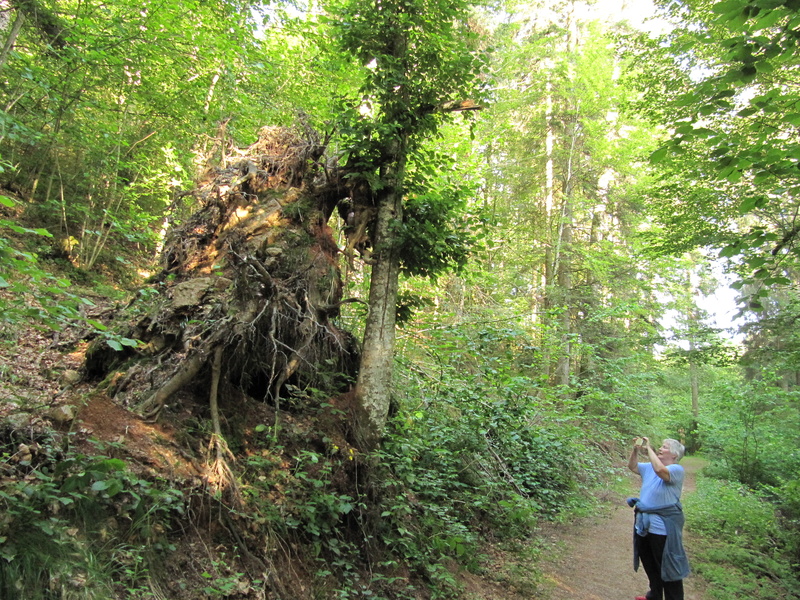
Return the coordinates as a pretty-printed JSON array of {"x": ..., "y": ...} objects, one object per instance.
[{"x": 355, "y": 299}]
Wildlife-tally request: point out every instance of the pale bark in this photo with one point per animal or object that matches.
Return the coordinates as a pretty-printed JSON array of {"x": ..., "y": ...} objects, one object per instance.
[
  {"x": 694, "y": 380},
  {"x": 694, "y": 322},
  {"x": 564, "y": 267},
  {"x": 563, "y": 255},
  {"x": 374, "y": 385},
  {"x": 558, "y": 259},
  {"x": 549, "y": 254},
  {"x": 695, "y": 390},
  {"x": 373, "y": 390},
  {"x": 12, "y": 38}
]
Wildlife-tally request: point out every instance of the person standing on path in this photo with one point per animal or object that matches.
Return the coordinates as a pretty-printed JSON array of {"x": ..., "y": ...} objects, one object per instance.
[{"x": 658, "y": 530}]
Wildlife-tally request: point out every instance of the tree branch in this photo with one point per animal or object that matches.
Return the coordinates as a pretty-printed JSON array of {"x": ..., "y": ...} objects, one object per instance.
[{"x": 790, "y": 235}]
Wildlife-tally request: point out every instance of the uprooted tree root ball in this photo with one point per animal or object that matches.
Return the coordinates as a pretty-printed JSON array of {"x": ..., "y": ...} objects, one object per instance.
[
  {"x": 237, "y": 348},
  {"x": 254, "y": 273}
]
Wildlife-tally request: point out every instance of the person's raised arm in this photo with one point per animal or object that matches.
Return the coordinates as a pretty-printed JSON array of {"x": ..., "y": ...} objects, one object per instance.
[{"x": 633, "y": 461}]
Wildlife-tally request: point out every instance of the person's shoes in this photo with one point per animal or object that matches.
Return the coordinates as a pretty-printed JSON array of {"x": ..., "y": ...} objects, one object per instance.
[{"x": 641, "y": 598}]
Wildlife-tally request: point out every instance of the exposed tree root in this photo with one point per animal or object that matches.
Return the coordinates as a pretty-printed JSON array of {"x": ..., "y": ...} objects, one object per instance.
[
  {"x": 220, "y": 478},
  {"x": 152, "y": 407}
]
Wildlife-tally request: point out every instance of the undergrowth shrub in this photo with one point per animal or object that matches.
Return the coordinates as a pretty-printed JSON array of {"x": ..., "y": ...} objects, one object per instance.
[
  {"x": 59, "y": 509},
  {"x": 749, "y": 426},
  {"x": 786, "y": 498},
  {"x": 732, "y": 513},
  {"x": 742, "y": 553},
  {"x": 320, "y": 502},
  {"x": 444, "y": 481},
  {"x": 466, "y": 468}
]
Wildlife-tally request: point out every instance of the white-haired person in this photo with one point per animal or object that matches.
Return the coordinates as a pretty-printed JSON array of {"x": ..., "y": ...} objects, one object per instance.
[{"x": 658, "y": 528}]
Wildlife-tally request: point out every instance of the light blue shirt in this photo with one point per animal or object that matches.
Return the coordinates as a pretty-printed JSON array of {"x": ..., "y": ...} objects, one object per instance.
[{"x": 657, "y": 492}]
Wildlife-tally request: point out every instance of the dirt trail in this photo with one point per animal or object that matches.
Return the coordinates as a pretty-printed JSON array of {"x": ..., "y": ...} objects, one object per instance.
[{"x": 592, "y": 558}]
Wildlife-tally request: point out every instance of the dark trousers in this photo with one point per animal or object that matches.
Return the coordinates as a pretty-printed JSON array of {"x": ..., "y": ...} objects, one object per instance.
[{"x": 651, "y": 549}]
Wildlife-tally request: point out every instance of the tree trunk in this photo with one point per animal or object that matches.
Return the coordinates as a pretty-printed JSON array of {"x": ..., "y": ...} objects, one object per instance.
[
  {"x": 373, "y": 388},
  {"x": 374, "y": 385},
  {"x": 694, "y": 380},
  {"x": 549, "y": 254},
  {"x": 12, "y": 37},
  {"x": 695, "y": 390}
]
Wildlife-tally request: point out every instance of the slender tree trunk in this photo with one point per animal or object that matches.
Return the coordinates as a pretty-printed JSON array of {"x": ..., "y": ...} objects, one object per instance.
[
  {"x": 559, "y": 252},
  {"x": 12, "y": 38},
  {"x": 549, "y": 254},
  {"x": 695, "y": 384},
  {"x": 563, "y": 366},
  {"x": 373, "y": 388},
  {"x": 565, "y": 226},
  {"x": 694, "y": 380}
]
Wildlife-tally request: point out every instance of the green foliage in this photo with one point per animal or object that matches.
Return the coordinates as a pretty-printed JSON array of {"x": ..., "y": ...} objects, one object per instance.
[
  {"x": 439, "y": 230},
  {"x": 424, "y": 56},
  {"x": 727, "y": 172},
  {"x": 60, "y": 510},
  {"x": 471, "y": 457},
  {"x": 733, "y": 514},
  {"x": 773, "y": 348},
  {"x": 443, "y": 490},
  {"x": 487, "y": 436},
  {"x": 38, "y": 296},
  {"x": 106, "y": 127},
  {"x": 750, "y": 425},
  {"x": 748, "y": 428},
  {"x": 32, "y": 294},
  {"x": 109, "y": 123},
  {"x": 466, "y": 458},
  {"x": 742, "y": 552},
  {"x": 318, "y": 509},
  {"x": 415, "y": 61},
  {"x": 786, "y": 498},
  {"x": 222, "y": 584},
  {"x": 559, "y": 175}
]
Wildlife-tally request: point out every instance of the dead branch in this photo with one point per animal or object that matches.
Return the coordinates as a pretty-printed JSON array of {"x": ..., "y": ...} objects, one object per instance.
[
  {"x": 504, "y": 468},
  {"x": 460, "y": 105}
]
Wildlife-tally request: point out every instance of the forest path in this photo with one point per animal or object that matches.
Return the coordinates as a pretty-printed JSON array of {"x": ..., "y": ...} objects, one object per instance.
[{"x": 593, "y": 560}]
